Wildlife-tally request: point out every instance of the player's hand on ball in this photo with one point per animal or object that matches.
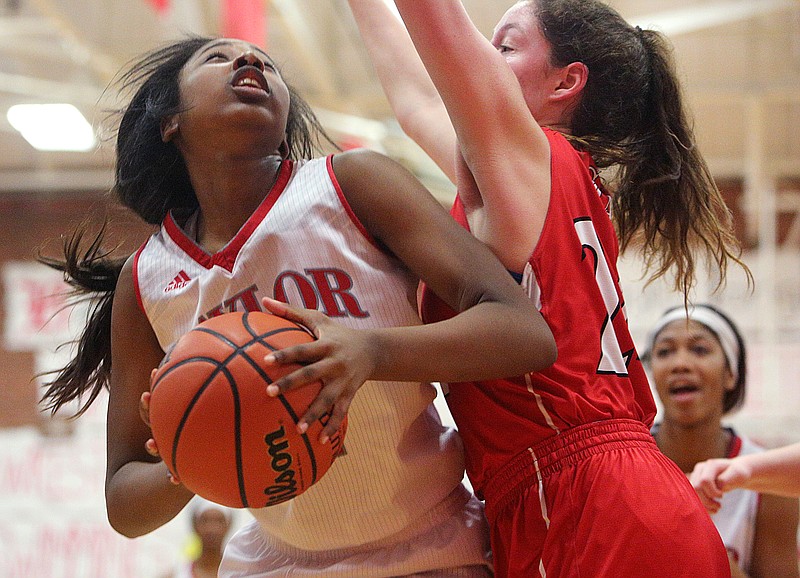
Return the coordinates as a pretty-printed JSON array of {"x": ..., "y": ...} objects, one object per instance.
[
  {"x": 340, "y": 358},
  {"x": 144, "y": 407},
  {"x": 150, "y": 445},
  {"x": 216, "y": 427}
]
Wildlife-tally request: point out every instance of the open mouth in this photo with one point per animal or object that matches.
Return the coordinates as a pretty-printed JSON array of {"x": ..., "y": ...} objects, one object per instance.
[
  {"x": 683, "y": 391},
  {"x": 250, "y": 77}
]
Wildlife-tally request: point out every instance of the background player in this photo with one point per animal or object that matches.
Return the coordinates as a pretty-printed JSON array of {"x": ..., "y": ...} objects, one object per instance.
[
  {"x": 699, "y": 369},
  {"x": 211, "y": 524}
]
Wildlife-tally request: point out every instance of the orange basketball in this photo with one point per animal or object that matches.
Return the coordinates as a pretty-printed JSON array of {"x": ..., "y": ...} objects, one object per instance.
[{"x": 217, "y": 429}]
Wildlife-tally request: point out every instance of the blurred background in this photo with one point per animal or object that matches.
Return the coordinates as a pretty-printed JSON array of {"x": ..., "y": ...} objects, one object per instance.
[{"x": 740, "y": 64}]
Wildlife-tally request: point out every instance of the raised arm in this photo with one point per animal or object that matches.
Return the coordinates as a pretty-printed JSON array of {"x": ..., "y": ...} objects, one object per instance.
[
  {"x": 139, "y": 494},
  {"x": 413, "y": 97},
  {"x": 501, "y": 142}
]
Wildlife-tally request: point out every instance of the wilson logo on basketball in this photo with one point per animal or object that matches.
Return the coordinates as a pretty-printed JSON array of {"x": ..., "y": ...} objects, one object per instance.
[
  {"x": 285, "y": 486},
  {"x": 180, "y": 280},
  {"x": 226, "y": 439}
]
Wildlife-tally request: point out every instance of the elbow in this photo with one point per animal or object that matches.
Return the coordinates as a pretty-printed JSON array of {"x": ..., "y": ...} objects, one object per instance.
[
  {"x": 550, "y": 354},
  {"x": 544, "y": 355},
  {"x": 124, "y": 522},
  {"x": 118, "y": 518},
  {"x": 547, "y": 351},
  {"x": 405, "y": 120},
  {"x": 537, "y": 347},
  {"x": 121, "y": 527}
]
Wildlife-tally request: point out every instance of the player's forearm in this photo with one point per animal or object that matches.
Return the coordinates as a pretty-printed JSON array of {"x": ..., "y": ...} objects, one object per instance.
[
  {"x": 452, "y": 50},
  {"x": 470, "y": 75},
  {"x": 488, "y": 341},
  {"x": 412, "y": 96},
  {"x": 775, "y": 471},
  {"x": 399, "y": 69}
]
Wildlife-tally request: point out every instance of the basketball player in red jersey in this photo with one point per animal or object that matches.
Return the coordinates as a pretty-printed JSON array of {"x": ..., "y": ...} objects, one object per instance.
[
  {"x": 574, "y": 484},
  {"x": 217, "y": 149}
]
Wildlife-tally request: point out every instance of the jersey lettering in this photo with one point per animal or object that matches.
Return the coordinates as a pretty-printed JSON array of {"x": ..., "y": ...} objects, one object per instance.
[
  {"x": 612, "y": 359},
  {"x": 293, "y": 287},
  {"x": 246, "y": 300},
  {"x": 332, "y": 288}
]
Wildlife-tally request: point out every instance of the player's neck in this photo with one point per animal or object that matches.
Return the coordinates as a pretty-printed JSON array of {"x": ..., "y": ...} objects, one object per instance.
[{"x": 687, "y": 446}]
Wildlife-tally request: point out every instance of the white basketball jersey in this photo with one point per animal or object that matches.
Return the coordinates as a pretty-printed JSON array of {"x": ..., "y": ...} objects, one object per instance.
[
  {"x": 736, "y": 518},
  {"x": 304, "y": 245}
]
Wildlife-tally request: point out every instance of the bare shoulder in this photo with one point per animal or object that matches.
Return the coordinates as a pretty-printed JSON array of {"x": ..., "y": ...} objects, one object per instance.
[
  {"x": 125, "y": 292},
  {"x": 356, "y": 165},
  {"x": 130, "y": 327},
  {"x": 382, "y": 193},
  {"x": 779, "y": 510},
  {"x": 775, "y": 546}
]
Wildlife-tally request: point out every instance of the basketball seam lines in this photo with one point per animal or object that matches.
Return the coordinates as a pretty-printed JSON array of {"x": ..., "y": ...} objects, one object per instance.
[{"x": 221, "y": 367}]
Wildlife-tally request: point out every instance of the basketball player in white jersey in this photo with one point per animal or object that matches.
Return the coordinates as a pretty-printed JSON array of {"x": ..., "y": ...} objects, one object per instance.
[
  {"x": 212, "y": 147},
  {"x": 699, "y": 370}
]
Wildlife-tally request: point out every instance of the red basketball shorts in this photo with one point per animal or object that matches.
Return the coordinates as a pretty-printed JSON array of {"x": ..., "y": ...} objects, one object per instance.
[{"x": 600, "y": 500}]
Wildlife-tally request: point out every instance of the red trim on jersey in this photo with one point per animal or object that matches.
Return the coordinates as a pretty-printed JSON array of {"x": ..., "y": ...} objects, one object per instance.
[
  {"x": 136, "y": 289},
  {"x": 226, "y": 257},
  {"x": 734, "y": 449},
  {"x": 735, "y": 446},
  {"x": 348, "y": 209}
]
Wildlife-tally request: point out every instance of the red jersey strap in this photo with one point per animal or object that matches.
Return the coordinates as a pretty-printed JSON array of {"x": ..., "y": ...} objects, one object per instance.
[
  {"x": 226, "y": 257},
  {"x": 735, "y": 445}
]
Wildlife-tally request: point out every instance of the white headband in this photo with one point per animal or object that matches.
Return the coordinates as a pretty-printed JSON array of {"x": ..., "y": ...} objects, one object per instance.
[{"x": 711, "y": 319}]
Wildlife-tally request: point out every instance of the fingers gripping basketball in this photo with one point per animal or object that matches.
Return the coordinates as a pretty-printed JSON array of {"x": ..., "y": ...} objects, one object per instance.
[{"x": 217, "y": 429}]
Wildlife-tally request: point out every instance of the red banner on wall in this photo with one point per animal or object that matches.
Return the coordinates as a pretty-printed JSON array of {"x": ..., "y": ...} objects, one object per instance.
[
  {"x": 161, "y": 6},
  {"x": 244, "y": 19},
  {"x": 35, "y": 300}
]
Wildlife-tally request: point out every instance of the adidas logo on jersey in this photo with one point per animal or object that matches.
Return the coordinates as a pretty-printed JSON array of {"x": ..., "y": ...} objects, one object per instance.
[{"x": 180, "y": 280}]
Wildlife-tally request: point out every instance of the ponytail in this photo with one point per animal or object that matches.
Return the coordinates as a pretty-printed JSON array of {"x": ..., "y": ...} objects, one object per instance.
[
  {"x": 92, "y": 275},
  {"x": 631, "y": 118},
  {"x": 666, "y": 201}
]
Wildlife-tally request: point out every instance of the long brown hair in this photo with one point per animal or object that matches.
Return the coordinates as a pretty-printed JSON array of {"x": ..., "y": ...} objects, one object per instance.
[{"x": 631, "y": 117}]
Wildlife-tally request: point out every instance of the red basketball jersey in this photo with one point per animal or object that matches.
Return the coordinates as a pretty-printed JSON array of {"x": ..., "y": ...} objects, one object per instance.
[{"x": 572, "y": 276}]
